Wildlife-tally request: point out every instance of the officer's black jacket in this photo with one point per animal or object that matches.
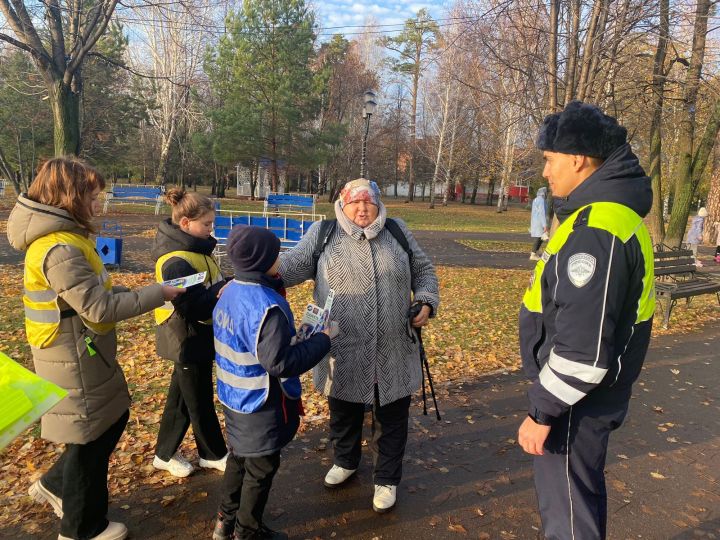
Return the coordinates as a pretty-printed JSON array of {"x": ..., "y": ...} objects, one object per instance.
[{"x": 590, "y": 330}]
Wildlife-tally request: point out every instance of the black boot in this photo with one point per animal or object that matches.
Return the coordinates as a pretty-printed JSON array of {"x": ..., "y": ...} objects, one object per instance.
[
  {"x": 261, "y": 533},
  {"x": 224, "y": 528}
]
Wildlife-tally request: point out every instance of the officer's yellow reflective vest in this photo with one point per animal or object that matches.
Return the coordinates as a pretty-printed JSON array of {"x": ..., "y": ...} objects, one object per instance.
[
  {"x": 618, "y": 220},
  {"x": 42, "y": 313},
  {"x": 201, "y": 263}
]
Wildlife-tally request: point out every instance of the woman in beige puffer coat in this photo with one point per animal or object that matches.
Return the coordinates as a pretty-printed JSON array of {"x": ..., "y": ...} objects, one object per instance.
[{"x": 70, "y": 311}]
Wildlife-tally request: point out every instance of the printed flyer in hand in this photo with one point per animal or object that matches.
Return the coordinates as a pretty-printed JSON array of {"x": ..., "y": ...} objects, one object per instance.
[{"x": 315, "y": 318}]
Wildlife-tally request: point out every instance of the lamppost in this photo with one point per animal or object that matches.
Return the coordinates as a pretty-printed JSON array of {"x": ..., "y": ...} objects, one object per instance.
[{"x": 368, "y": 110}]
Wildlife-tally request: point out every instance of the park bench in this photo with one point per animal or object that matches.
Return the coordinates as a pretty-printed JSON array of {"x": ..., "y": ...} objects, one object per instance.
[
  {"x": 3, "y": 184},
  {"x": 289, "y": 202},
  {"x": 676, "y": 277},
  {"x": 135, "y": 194},
  {"x": 288, "y": 227}
]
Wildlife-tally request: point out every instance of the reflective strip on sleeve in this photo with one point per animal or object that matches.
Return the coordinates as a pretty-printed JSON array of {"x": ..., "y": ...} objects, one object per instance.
[
  {"x": 239, "y": 358},
  {"x": 42, "y": 315},
  {"x": 46, "y": 295},
  {"x": 559, "y": 388},
  {"x": 244, "y": 383},
  {"x": 585, "y": 372}
]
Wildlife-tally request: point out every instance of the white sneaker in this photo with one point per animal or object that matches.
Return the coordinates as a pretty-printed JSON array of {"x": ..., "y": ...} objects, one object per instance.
[
  {"x": 384, "y": 498},
  {"x": 114, "y": 531},
  {"x": 41, "y": 494},
  {"x": 177, "y": 466},
  {"x": 534, "y": 256},
  {"x": 218, "y": 464},
  {"x": 337, "y": 475}
]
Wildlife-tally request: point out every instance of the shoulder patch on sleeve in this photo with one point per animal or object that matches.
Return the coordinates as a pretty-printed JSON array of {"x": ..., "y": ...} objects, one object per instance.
[{"x": 581, "y": 268}]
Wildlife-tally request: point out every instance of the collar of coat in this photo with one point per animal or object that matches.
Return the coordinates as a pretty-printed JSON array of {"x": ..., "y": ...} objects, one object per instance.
[{"x": 357, "y": 232}]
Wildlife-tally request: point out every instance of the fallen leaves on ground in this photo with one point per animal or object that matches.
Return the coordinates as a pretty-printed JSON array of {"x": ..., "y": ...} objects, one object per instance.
[{"x": 474, "y": 333}]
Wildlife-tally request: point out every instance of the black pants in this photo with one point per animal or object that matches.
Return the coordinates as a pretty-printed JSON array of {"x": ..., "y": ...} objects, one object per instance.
[
  {"x": 536, "y": 245},
  {"x": 190, "y": 401},
  {"x": 570, "y": 476},
  {"x": 389, "y": 436},
  {"x": 245, "y": 490},
  {"x": 79, "y": 478}
]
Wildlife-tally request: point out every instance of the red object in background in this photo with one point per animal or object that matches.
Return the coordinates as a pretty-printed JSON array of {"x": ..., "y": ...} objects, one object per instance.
[
  {"x": 458, "y": 191},
  {"x": 519, "y": 192}
]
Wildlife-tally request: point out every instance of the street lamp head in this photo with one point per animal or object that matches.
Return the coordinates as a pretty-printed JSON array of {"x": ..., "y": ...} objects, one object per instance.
[{"x": 370, "y": 103}]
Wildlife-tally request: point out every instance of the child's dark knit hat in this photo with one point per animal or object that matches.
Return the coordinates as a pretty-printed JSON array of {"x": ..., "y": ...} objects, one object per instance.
[
  {"x": 581, "y": 129},
  {"x": 252, "y": 249}
]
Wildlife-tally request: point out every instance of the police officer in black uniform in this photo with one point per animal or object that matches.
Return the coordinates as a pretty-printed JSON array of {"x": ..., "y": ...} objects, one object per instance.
[{"x": 586, "y": 318}]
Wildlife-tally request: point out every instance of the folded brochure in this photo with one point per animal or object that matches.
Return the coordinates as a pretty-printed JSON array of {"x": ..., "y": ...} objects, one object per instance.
[
  {"x": 24, "y": 397},
  {"x": 315, "y": 318},
  {"x": 187, "y": 281}
]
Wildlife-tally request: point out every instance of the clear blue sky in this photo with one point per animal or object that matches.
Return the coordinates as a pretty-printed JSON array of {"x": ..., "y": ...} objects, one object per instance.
[{"x": 346, "y": 13}]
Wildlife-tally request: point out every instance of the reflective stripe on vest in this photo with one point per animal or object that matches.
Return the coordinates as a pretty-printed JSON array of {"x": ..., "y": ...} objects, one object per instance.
[
  {"x": 42, "y": 314},
  {"x": 200, "y": 263},
  {"x": 243, "y": 385},
  {"x": 618, "y": 220}
]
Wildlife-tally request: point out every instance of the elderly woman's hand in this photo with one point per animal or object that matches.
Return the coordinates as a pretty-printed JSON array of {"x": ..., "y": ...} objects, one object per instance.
[{"x": 422, "y": 318}]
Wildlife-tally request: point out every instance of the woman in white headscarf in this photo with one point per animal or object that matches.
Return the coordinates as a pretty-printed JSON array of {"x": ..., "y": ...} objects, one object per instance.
[{"x": 375, "y": 358}]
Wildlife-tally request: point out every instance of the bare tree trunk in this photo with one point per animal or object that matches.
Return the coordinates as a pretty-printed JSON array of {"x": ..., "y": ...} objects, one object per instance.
[
  {"x": 552, "y": 58},
  {"x": 574, "y": 44},
  {"x": 607, "y": 79},
  {"x": 657, "y": 224},
  {"x": 508, "y": 159},
  {"x": 66, "y": 120},
  {"x": 592, "y": 41},
  {"x": 684, "y": 188},
  {"x": 167, "y": 139},
  {"x": 448, "y": 169},
  {"x": 713, "y": 205},
  {"x": 413, "y": 127},
  {"x": 441, "y": 139}
]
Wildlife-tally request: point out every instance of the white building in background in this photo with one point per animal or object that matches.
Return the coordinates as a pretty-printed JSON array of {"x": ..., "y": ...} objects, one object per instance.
[
  {"x": 515, "y": 192},
  {"x": 263, "y": 186},
  {"x": 404, "y": 189}
]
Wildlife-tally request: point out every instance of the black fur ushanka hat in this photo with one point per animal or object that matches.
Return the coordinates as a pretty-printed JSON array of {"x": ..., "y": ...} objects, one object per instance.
[{"x": 581, "y": 129}]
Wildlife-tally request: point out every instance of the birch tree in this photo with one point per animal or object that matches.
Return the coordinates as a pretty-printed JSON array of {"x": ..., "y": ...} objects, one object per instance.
[{"x": 172, "y": 52}]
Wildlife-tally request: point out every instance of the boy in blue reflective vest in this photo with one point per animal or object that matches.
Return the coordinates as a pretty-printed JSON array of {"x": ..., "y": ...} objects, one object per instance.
[{"x": 257, "y": 367}]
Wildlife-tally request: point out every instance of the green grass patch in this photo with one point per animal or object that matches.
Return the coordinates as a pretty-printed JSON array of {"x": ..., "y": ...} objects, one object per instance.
[
  {"x": 496, "y": 246},
  {"x": 454, "y": 217}
]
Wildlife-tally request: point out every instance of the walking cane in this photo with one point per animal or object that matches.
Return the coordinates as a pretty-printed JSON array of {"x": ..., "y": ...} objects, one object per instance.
[{"x": 424, "y": 364}]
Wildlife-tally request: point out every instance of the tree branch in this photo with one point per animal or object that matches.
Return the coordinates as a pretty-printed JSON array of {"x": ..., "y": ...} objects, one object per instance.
[{"x": 57, "y": 41}]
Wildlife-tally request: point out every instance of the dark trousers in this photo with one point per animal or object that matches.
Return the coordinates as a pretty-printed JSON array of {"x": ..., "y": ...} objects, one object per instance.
[
  {"x": 245, "y": 491},
  {"x": 570, "y": 476},
  {"x": 389, "y": 436},
  {"x": 79, "y": 478},
  {"x": 190, "y": 401},
  {"x": 536, "y": 245}
]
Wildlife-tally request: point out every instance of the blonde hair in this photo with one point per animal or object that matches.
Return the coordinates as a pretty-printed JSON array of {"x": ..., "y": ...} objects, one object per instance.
[
  {"x": 65, "y": 182},
  {"x": 191, "y": 205}
]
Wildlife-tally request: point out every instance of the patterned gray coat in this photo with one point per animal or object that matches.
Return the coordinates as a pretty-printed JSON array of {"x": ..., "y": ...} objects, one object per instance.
[{"x": 374, "y": 286}]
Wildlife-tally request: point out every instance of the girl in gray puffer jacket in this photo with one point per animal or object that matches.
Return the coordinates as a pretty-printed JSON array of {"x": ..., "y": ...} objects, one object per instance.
[{"x": 71, "y": 309}]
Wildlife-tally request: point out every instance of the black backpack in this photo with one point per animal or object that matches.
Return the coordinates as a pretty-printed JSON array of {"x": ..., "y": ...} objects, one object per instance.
[{"x": 327, "y": 226}]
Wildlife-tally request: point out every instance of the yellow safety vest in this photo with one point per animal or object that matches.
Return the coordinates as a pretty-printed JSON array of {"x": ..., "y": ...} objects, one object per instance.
[
  {"x": 201, "y": 263},
  {"x": 42, "y": 313},
  {"x": 618, "y": 220}
]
